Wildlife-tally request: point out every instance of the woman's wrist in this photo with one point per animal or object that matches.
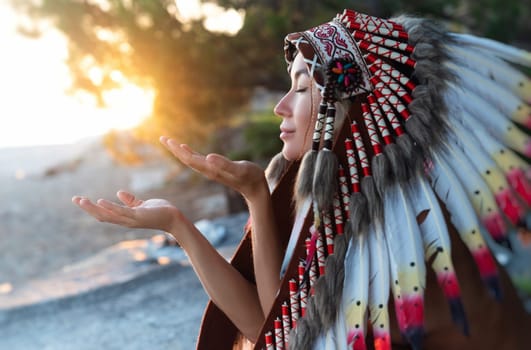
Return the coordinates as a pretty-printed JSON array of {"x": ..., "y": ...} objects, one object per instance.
[
  {"x": 258, "y": 193},
  {"x": 181, "y": 229}
]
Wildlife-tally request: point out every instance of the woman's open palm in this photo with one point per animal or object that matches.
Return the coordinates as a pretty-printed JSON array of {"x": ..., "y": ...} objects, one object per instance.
[
  {"x": 245, "y": 177},
  {"x": 158, "y": 214}
]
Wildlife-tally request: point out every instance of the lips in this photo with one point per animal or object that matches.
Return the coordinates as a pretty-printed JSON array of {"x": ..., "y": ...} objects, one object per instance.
[{"x": 285, "y": 133}]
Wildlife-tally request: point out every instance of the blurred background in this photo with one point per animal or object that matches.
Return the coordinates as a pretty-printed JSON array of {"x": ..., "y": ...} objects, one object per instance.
[{"x": 88, "y": 86}]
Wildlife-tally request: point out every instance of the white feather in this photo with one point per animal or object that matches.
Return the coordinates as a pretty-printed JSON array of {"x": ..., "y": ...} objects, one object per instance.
[
  {"x": 489, "y": 46},
  {"x": 506, "y": 102},
  {"x": 483, "y": 113},
  {"x": 338, "y": 333},
  {"x": 462, "y": 214},
  {"x": 494, "y": 68},
  {"x": 406, "y": 256},
  {"x": 405, "y": 238},
  {"x": 437, "y": 245},
  {"x": 356, "y": 288},
  {"x": 320, "y": 343},
  {"x": 504, "y": 157},
  {"x": 379, "y": 282},
  {"x": 433, "y": 229},
  {"x": 451, "y": 192},
  {"x": 464, "y": 219},
  {"x": 477, "y": 190},
  {"x": 486, "y": 166}
]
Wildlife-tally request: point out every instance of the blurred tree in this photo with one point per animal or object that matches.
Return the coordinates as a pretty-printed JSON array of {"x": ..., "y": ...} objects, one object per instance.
[
  {"x": 504, "y": 20},
  {"x": 202, "y": 78}
]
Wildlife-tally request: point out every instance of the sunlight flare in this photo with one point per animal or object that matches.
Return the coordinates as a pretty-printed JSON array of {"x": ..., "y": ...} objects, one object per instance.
[
  {"x": 35, "y": 108},
  {"x": 215, "y": 18}
]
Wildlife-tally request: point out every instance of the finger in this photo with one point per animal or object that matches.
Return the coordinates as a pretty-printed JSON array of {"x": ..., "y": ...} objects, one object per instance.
[
  {"x": 93, "y": 209},
  {"x": 188, "y": 156},
  {"x": 116, "y": 209},
  {"x": 102, "y": 214},
  {"x": 76, "y": 199},
  {"x": 128, "y": 198}
]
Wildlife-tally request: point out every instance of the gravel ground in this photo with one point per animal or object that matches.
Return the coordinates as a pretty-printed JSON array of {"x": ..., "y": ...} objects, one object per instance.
[{"x": 160, "y": 308}]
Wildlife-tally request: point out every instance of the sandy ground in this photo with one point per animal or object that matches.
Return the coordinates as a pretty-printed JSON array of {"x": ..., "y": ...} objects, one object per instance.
[{"x": 41, "y": 230}]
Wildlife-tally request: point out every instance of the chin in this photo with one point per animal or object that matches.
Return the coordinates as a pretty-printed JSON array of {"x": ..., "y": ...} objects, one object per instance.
[{"x": 291, "y": 155}]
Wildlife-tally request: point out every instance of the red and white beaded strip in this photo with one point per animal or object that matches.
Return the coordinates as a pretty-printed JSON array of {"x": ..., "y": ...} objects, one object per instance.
[
  {"x": 303, "y": 289},
  {"x": 379, "y": 119},
  {"x": 362, "y": 153},
  {"x": 319, "y": 122},
  {"x": 358, "y": 17},
  {"x": 389, "y": 113},
  {"x": 279, "y": 338},
  {"x": 381, "y": 41},
  {"x": 329, "y": 231},
  {"x": 321, "y": 258},
  {"x": 338, "y": 217},
  {"x": 294, "y": 305},
  {"x": 286, "y": 324},
  {"x": 391, "y": 83},
  {"x": 352, "y": 166},
  {"x": 313, "y": 265},
  {"x": 343, "y": 187},
  {"x": 384, "y": 52},
  {"x": 382, "y": 31},
  {"x": 329, "y": 127},
  {"x": 269, "y": 341},
  {"x": 390, "y": 70},
  {"x": 371, "y": 129},
  {"x": 391, "y": 97}
]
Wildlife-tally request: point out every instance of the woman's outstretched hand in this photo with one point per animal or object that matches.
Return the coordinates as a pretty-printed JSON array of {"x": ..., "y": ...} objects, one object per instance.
[
  {"x": 157, "y": 214},
  {"x": 245, "y": 177}
]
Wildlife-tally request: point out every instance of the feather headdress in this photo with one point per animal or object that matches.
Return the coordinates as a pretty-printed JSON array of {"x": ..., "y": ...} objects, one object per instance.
[{"x": 435, "y": 118}]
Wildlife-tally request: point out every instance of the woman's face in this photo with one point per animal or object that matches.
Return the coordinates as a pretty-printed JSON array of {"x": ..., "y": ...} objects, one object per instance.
[{"x": 298, "y": 109}]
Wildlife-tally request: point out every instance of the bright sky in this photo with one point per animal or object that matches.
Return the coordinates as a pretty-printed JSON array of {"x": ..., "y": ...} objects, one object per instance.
[{"x": 34, "y": 109}]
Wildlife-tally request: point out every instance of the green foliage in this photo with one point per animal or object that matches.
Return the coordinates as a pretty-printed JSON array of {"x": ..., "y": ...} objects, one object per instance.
[
  {"x": 260, "y": 138},
  {"x": 504, "y": 20}
]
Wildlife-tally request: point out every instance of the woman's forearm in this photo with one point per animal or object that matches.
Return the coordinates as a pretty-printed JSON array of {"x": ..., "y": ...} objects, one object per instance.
[
  {"x": 228, "y": 289},
  {"x": 267, "y": 255}
]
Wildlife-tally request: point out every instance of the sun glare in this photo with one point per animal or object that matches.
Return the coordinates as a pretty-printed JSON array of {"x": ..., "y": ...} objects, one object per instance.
[
  {"x": 215, "y": 18},
  {"x": 34, "y": 108}
]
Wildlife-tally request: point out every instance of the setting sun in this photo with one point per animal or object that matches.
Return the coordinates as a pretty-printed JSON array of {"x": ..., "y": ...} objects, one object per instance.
[{"x": 35, "y": 108}]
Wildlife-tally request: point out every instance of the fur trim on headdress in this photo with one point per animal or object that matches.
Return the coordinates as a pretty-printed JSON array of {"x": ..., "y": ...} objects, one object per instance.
[{"x": 275, "y": 169}]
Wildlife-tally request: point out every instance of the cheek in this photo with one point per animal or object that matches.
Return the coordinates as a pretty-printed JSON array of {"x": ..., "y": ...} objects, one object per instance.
[{"x": 306, "y": 127}]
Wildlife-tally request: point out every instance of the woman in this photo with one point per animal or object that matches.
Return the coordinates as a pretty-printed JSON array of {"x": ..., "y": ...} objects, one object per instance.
[{"x": 385, "y": 121}]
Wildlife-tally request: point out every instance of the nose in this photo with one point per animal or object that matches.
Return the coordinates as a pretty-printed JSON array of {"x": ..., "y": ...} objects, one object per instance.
[{"x": 283, "y": 109}]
